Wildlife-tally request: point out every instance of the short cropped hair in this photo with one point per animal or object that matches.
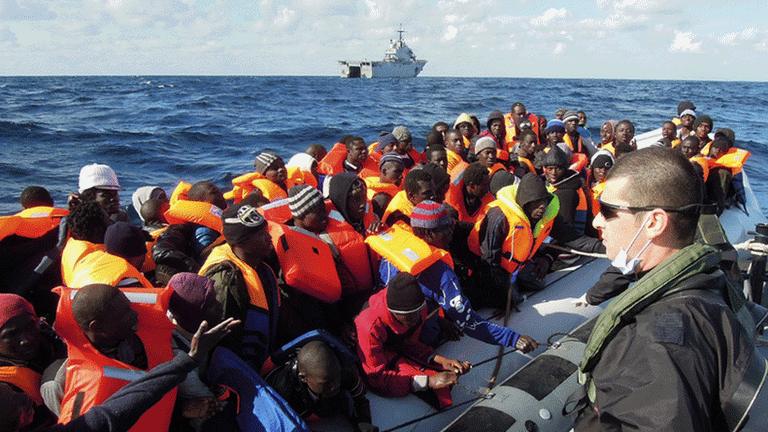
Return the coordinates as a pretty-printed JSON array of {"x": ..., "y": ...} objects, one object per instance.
[
  {"x": 413, "y": 178},
  {"x": 33, "y": 196},
  {"x": 474, "y": 173},
  {"x": 662, "y": 177}
]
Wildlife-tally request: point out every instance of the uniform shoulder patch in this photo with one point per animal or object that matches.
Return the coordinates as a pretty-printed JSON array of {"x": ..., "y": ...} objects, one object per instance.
[{"x": 669, "y": 328}]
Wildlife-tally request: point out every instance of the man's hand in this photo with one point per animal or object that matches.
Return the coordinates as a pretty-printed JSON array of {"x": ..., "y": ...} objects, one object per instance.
[
  {"x": 526, "y": 344},
  {"x": 376, "y": 226},
  {"x": 442, "y": 380},
  {"x": 452, "y": 365},
  {"x": 205, "y": 340}
]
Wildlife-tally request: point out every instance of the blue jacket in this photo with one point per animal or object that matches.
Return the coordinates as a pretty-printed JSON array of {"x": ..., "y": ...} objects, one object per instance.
[{"x": 440, "y": 285}]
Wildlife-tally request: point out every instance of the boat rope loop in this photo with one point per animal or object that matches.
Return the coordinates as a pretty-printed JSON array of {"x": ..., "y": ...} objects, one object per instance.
[{"x": 574, "y": 251}]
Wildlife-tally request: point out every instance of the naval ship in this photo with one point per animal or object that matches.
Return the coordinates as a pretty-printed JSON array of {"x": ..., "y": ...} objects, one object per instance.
[{"x": 399, "y": 62}]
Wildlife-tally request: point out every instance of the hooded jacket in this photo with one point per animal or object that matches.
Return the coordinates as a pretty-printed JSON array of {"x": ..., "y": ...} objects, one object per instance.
[{"x": 574, "y": 205}]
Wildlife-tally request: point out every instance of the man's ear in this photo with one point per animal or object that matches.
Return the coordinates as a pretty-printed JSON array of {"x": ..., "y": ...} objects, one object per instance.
[
  {"x": 657, "y": 223},
  {"x": 93, "y": 326}
]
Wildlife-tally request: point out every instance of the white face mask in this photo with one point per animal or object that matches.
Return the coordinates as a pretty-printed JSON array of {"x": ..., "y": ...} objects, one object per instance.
[{"x": 628, "y": 266}]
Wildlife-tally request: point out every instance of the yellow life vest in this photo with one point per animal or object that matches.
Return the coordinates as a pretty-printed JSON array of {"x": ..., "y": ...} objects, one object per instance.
[
  {"x": 256, "y": 294},
  {"x": 453, "y": 159},
  {"x": 406, "y": 251},
  {"x": 101, "y": 267},
  {"x": 399, "y": 203},
  {"x": 74, "y": 252},
  {"x": 734, "y": 159},
  {"x": 375, "y": 186},
  {"x": 521, "y": 242}
]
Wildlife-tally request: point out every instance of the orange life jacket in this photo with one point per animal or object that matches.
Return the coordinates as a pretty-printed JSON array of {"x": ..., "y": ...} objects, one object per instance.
[
  {"x": 579, "y": 161},
  {"x": 597, "y": 190},
  {"x": 182, "y": 210},
  {"x": 104, "y": 268},
  {"x": 734, "y": 159},
  {"x": 510, "y": 138},
  {"x": 704, "y": 163},
  {"x": 375, "y": 186},
  {"x": 333, "y": 161},
  {"x": 578, "y": 147},
  {"x": 92, "y": 377},
  {"x": 74, "y": 252},
  {"x": 522, "y": 240},
  {"x": 149, "y": 262},
  {"x": 352, "y": 249},
  {"x": 705, "y": 148},
  {"x": 527, "y": 162},
  {"x": 297, "y": 176},
  {"x": 23, "y": 378},
  {"x": 400, "y": 203},
  {"x": 457, "y": 170},
  {"x": 496, "y": 168},
  {"x": 455, "y": 198},
  {"x": 407, "y": 252},
  {"x": 307, "y": 262},
  {"x": 33, "y": 222},
  {"x": 582, "y": 209},
  {"x": 454, "y": 159},
  {"x": 247, "y": 183},
  {"x": 466, "y": 141}
]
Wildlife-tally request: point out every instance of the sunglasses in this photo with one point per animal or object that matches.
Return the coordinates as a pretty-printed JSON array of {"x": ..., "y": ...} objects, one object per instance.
[{"x": 610, "y": 211}]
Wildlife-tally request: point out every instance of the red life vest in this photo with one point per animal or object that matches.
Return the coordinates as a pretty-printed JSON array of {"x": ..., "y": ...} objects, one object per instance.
[
  {"x": 353, "y": 251},
  {"x": 455, "y": 198},
  {"x": 92, "y": 377},
  {"x": 527, "y": 162}
]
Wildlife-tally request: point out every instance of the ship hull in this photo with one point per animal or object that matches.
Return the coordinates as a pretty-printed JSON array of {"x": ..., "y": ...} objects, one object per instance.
[{"x": 380, "y": 69}]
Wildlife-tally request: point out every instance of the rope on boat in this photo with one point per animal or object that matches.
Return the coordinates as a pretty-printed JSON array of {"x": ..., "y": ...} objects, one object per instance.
[{"x": 574, "y": 251}]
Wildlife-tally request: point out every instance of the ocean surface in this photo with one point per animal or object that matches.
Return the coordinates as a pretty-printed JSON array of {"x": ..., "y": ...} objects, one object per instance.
[{"x": 158, "y": 130}]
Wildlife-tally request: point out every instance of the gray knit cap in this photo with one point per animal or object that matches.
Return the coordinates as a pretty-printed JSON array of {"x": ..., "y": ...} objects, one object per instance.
[
  {"x": 263, "y": 161},
  {"x": 402, "y": 133},
  {"x": 302, "y": 199}
]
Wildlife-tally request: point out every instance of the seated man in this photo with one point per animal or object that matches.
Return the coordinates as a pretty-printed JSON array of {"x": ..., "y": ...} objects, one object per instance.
[
  {"x": 153, "y": 214},
  {"x": 455, "y": 151},
  {"x": 107, "y": 336},
  {"x": 99, "y": 183},
  {"x": 245, "y": 285},
  {"x": 725, "y": 184},
  {"x": 186, "y": 242},
  {"x": 35, "y": 196},
  {"x": 351, "y": 155},
  {"x": 27, "y": 347},
  {"x": 469, "y": 192},
  {"x": 404, "y": 147},
  {"x": 691, "y": 148},
  {"x": 485, "y": 151},
  {"x": 418, "y": 187},
  {"x": 317, "y": 380},
  {"x": 568, "y": 186},
  {"x": 387, "y": 184},
  {"x": 438, "y": 155},
  {"x": 432, "y": 225},
  {"x": 87, "y": 223},
  {"x": 269, "y": 177},
  {"x": 525, "y": 151},
  {"x": 394, "y": 359}
]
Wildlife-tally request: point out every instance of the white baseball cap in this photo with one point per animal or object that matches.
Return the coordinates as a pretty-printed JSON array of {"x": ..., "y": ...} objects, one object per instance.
[{"x": 98, "y": 176}]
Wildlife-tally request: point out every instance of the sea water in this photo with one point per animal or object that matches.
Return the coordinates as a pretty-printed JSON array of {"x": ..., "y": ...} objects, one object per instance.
[{"x": 159, "y": 130}]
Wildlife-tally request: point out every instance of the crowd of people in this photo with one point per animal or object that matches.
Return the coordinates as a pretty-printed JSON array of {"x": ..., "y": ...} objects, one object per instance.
[{"x": 336, "y": 273}]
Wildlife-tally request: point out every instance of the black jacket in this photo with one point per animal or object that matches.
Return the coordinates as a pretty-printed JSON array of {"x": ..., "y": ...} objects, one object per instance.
[
  {"x": 667, "y": 368},
  {"x": 567, "y": 192}
]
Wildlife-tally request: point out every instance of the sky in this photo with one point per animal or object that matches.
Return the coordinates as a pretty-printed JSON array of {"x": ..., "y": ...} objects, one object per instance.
[{"x": 636, "y": 39}]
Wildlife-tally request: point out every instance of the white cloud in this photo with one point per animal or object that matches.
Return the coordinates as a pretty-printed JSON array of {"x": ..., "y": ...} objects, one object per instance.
[
  {"x": 550, "y": 15},
  {"x": 7, "y": 36},
  {"x": 762, "y": 46},
  {"x": 374, "y": 12},
  {"x": 559, "y": 48},
  {"x": 451, "y": 32},
  {"x": 735, "y": 38},
  {"x": 685, "y": 42},
  {"x": 285, "y": 17},
  {"x": 25, "y": 10}
]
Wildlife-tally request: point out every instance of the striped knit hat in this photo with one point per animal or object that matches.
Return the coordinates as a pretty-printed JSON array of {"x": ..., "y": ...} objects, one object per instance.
[
  {"x": 391, "y": 157},
  {"x": 302, "y": 199},
  {"x": 430, "y": 215},
  {"x": 263, "y": 161}
]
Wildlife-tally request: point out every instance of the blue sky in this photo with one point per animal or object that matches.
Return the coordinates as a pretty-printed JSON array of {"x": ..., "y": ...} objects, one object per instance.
[{"x": 647, "y": 39}]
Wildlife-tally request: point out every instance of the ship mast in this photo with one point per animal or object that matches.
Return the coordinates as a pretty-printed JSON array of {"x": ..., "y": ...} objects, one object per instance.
[{"x": 400, "y": 33}]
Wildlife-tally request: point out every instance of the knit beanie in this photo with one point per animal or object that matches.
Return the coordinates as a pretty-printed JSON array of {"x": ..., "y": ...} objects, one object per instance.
[
  {"x": 530, "y": 189},
  {"x": 484, "y": 143},
  {"x": 192, "y": 296},
  {"x": 430, "y": 215},
  {"x": 685, "y": 105},
  {"x": 386, "y": 140},
  {"x": 263, "y": 161},
  {"x": 703, "y": 118},
  {"x": 494, "y": 115},
  {"x": 602, "y": 159},
  {"x": 559, "y": 113},
  {"x": 302, "y": 199},
  {"x": 554, "y": 125},
  {"x": 401, "y": 133},
  {"x": 12, "y": 305},
  {"x": 404, "y": 294},
  {"x": 570, "y": 115},
  {"x": 464, "y": 118},
  {"x": 554, "y": 157},
  {"x": 125, "y": 240},
  {"x": 98, "y": 176},
  {"x": 338, "y": 191},
  {"x": 240, "y": 221},
  {"x": 391, "y": 157},
  {"x": 500, "y": 180}
]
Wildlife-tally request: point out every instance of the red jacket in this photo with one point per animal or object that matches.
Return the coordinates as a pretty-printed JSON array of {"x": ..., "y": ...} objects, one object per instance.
[{"x": 379, "y": 348}]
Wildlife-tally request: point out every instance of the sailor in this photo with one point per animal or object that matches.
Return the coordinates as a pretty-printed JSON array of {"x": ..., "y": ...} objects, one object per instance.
[
  {"x": 27, "y": 347},
  {"x": 432, "y": 225},
  {"x": 469, "y": 192},
  {"x": 245, "y": 285},
  {"x": 382, "y": 188},
  {"x": 394, "y": 359},
  {"x": 319, "y": 380},
  {"x": 456, "y": 152},
  {"x": 669, "y": 353},
  {"x": 418, "y": 187},
  {"x": 568, "y": 186}
]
